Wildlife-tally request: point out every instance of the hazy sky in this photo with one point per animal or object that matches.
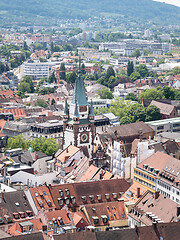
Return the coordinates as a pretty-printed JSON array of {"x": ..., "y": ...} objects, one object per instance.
[{"x": 174, "y": 2}]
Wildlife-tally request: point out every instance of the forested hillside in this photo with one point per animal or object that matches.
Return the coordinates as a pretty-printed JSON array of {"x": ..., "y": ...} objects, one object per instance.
[{"x": 38, "y": 10}]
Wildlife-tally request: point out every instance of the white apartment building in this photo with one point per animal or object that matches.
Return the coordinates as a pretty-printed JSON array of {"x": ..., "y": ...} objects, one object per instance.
[{"x": 36, "y": 70}]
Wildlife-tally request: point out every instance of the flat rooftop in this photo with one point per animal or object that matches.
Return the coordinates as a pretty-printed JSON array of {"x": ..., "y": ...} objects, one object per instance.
[{"x": 164, "y": 121}]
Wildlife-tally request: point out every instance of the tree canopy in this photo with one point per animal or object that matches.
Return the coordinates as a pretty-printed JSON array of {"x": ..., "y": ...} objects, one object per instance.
[{"x": 46, "y": 145}]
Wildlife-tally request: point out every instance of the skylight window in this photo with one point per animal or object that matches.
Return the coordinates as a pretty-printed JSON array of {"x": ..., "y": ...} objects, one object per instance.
[{"x": 36, "y": 194}]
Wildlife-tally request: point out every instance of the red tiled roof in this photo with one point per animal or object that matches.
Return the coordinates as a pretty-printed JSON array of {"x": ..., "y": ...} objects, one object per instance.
[
  {"x": 90, "y": 172},
  {"x": 58, "y": 214},
  {"x": 42, "y": 194},
  {"x": 113, "y": 210},
  {"x": 17, "y": 112},
  {"x": 87, "y": 189},
  {"x": 2, "y": 124}
]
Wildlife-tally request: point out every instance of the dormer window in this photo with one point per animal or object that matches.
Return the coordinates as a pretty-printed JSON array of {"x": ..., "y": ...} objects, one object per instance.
[
  {"x": 29, "y": 213},
  {"x": 8, "y": 218},
  {"x": 83, "y": 198},
  {"x": 40, "y": 203},
  {"x": 67, "y": 191},
  {"x": 99, "y": 197},
  {"x": 95, "y": 219},
  {"x": 107, "y": 195},
  {"x": 73, "y": 199},
  {"x": 49, "y": 202},
  {"x": 22, "y": 214},
  {"x": 91, "y": 197},
  {"x": 15, "y": 215},
  {"x": 104, "y": 218},
  {"x": 114, "y": 195},
  {"x": 61, "y": 193},
  {"x": 151, "y": 169},
  {"x": 60, "y": 201},
  {"x": 66, "y": 200}
]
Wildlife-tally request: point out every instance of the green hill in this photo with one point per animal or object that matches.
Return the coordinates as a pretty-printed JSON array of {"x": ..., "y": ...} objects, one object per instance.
[{"x": 30, "y": 11}]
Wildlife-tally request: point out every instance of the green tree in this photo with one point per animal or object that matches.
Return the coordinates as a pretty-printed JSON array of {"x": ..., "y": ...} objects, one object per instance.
[
  {"x": 53, "y": 102},
  {"x": 130, "y": 68},
  {"x": 52, "y": 47},
  {"x": 134, "y": 76},
  {"x": 52, "y": 78},
  {"x": 41, "y": 103},
  {"x": 46, "y": 145},
  {"x": 105, "y": 93},
  {"x": 71, "y": 77},
  {"x": 137, "y": 53},
  {"x": 125, "y": 120},
  {"x": 62, "y": 71},
  {"x": 28, "y": 79},
  {"x": 16, "y": 142},
  {"x": 24, "y": 87},
  {"x": 25, "y": 47},
  {"x": 83, "y": 71},
  {"x": 152, "y": 113},
  {"x": 142, "y": 70},
  {"x": 131, "y": 96},
  {"x": 151, "y": 94},
  {"x": 146, "y": 52},
  {"x": 168, "y": 92},
  {"x": 110, "y": 72},
  {"x": 2, "y": 68}
]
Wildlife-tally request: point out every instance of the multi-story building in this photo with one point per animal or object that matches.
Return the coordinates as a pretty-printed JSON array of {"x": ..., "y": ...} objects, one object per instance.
[
  {"x": 50, "y": 129},
  {"x": 36, "y": 70},
  {"x": 165, "y": 125},
  {"x": 159, "y": 172}
]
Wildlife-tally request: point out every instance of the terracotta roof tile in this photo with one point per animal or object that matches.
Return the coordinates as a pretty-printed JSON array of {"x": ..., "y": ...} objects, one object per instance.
[{"x": 86, "y": 189}]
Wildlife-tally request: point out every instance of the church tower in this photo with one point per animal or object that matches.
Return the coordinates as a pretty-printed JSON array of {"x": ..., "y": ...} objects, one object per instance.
[{"x": 78, "y": 119}]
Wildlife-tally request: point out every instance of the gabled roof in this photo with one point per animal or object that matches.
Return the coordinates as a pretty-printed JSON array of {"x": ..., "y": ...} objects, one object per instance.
[
  {"x": 17, "y": 112},
  {"x": 2, "y": 124},
  {"x": 15, "y": 229},
  {"x": 158, "y": 161},
  {"x": 42, "y": 198},
  {"x": 67, "y": 153},
  {"x": 131, "y": 193},
  {"x": 131, "y": 129},
  {"x": 114, "y": 211},
  {"x": 162, "y": 207},
  {"x": 165, "y": 109},
  {"x": 58, "y": 214},
  {"x": 14, "y": 202},
  {"x": 34, "y": 236},
  {"x": 90, "y": 172},
  {"x": 83, "y": 190}
]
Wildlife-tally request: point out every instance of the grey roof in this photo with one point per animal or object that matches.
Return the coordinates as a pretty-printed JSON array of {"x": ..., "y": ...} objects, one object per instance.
[
  {"x": 29, "y": 157},
  {"x": 79, "y": 93},
  {"x": 34, "y": 236},
  {"x": 14, "y": 202}
]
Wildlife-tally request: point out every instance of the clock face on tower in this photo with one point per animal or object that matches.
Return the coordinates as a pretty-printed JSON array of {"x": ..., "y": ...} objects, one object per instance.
[{"x": 84, "y": 138}]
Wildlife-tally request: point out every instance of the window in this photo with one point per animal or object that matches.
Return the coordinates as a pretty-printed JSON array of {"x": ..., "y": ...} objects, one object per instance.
[{"x": 95, "y": 219}]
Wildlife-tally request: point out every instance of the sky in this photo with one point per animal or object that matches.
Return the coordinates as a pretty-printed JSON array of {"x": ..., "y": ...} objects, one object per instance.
[{"x": 173, "y": 2}]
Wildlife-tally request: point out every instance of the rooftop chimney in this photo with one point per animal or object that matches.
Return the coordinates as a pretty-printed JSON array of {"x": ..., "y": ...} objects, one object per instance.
[
  {"x": 156, "y": 195},
  {"x": 178, "y": 210},
  {"x": 138, "y": 192}
]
